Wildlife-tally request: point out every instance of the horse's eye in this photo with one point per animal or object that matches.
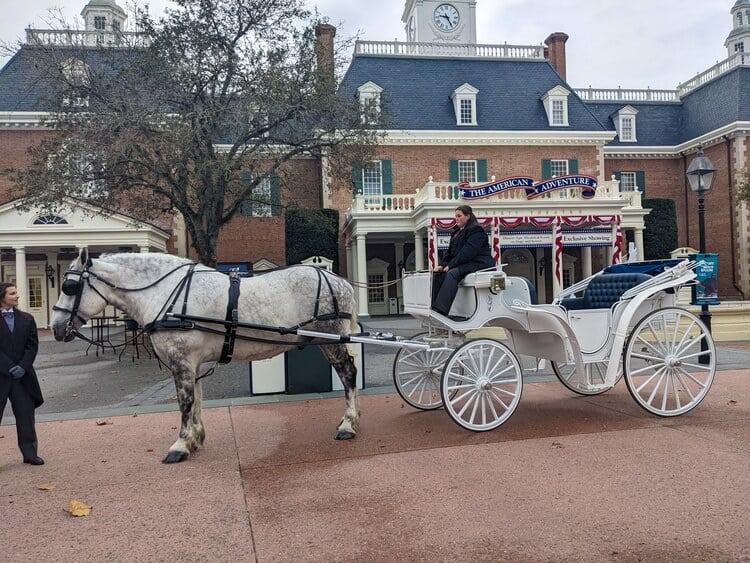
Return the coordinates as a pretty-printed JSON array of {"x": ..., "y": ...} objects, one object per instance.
[{"x": 70, "y": 287}]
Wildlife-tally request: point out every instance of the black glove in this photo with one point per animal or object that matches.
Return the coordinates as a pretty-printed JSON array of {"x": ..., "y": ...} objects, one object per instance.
[{"x": 17, "y": 372}]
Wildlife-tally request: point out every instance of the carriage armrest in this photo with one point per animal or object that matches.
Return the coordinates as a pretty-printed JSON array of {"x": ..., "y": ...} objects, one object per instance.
[{"x": 481, "y": 278}]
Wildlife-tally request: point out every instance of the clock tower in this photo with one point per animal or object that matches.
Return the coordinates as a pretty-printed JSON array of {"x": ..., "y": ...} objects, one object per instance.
[{"x": 440, "y": 21}]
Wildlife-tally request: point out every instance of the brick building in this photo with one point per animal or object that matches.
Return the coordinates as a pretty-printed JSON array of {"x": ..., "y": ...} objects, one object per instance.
[{"x": 556, "y": 174}]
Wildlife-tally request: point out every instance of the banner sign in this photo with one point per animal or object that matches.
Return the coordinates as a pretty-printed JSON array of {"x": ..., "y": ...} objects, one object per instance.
[
  {"x": 533, "y": 189},
  {"x": 541, "y": 239},
  {"x": 706, "y": 290}
]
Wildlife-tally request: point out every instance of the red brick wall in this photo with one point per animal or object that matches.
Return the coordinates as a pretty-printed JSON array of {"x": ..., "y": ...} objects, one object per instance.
[{"x": 14, "y": 145}]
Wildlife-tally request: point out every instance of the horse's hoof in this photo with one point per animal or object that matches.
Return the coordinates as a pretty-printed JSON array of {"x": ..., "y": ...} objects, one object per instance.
[
  {"x": 175, "y": 457},
  {"x": 345, "y": 435}
]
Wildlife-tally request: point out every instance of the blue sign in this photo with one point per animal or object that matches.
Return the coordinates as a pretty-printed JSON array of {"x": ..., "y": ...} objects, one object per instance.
[
  {"x": 533, "y": 189},
  {"x": 706, "y": 288}
]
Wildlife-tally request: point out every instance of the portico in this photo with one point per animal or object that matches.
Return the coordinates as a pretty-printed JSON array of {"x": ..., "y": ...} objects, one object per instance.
[{"x": 37, "y": 247}]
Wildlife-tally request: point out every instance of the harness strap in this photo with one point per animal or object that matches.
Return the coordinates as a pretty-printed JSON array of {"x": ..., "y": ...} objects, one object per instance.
[{"x": 230, "y": 334}]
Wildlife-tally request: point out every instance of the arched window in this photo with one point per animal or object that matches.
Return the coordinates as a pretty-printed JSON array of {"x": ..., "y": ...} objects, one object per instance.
[{"x": 50, "y": 220}]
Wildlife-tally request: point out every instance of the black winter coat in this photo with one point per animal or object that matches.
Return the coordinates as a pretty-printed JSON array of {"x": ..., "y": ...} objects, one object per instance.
[
  {"x": 469, "y": 250},
  {"x": 20, "y": 348}
]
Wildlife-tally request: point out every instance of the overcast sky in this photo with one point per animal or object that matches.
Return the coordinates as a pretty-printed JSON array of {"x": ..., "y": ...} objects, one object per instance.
[{"x": 627, "y": 43}]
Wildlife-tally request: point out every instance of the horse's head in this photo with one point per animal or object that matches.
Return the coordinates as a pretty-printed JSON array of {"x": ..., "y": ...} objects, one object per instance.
[{"x": 79, "y": 300}]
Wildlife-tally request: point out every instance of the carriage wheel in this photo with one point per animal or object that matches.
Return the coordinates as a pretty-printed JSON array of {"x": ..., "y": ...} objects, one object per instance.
[
  {"x": 481, "y": 384},
  {"x": 588, "y": 381},
  {"x": 662, "y": 367},
  {"x": 416, "y": 374}
]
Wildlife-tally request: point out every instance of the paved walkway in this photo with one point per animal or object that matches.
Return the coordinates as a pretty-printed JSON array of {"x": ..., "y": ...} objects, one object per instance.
[{"x": 567, "y": 478}]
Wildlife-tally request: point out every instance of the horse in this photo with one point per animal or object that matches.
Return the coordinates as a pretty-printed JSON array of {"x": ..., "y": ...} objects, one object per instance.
[{"x": 152, "y": 288}]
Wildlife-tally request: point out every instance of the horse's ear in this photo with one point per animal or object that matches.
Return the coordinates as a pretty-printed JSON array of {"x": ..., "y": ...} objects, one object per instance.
[{"x": 83, "y": 256}]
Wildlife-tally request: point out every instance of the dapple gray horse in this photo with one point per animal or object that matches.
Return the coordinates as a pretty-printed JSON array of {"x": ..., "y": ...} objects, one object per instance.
[{"x": 144, "y": 285}]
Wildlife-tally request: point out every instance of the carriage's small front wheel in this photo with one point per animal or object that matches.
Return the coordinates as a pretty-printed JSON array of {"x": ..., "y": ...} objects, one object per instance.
[
  {"x": 670, "y": 362},
  {"x": 481, "y": 384},
  {"x": 588, "y": 380},
  {"x": 416, "y": 374}
]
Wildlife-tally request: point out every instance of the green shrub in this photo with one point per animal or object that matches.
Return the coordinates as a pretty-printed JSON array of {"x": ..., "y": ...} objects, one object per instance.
[
  {"x": 312, "y": 232},
  {"x": 660, "y": 234}
]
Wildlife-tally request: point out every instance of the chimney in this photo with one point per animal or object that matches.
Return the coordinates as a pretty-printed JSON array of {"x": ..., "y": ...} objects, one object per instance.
[
  {"x": 555, "y": 51},
  {"x": 324, "y": 34}
]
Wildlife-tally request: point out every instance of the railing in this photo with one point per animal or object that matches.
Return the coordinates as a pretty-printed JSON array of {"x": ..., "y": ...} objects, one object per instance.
[
  {"x": 398, "y": 48},
  {"x": 447, "y": 192},
  {"x": 70, "y": 37},
  {"x": 625, "y": 95},
  {"x": 740, "y": 59}
]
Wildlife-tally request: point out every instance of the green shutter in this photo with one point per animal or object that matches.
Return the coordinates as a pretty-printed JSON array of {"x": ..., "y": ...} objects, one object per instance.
[
  {"x": 247, "y": 205},
  {"x": 453, "y": 171},
  {"x": 357, "y": 179},
  {"x": 640, "y": 181},
  {"x": 617, "y": 175},
  {"x": 386, "y": 171},
  {"x": 275, "y": 195},
  {"x": 572, "y": 167},
  {"x": 546, "y": 169},
  {"x": 481, "y": 170}
]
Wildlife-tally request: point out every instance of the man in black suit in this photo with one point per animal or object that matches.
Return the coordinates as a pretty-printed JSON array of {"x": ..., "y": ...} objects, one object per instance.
[
  {"x": 468, "y": 251},
  {"x": 19, "y": 343}
]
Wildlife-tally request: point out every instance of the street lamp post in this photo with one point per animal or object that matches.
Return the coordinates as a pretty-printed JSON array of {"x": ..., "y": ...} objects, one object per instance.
[{"x": 700, "y": 174}]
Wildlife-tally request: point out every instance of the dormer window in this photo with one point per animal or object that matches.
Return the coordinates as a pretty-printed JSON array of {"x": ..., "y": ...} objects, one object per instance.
[
  {"x": 465, "y": 104},
  {"x": 625, "y": 124},
  {"x": 369, "y": 102},
  {"x": 100, "y": 23},
  {"x": 556, "y": 105}
]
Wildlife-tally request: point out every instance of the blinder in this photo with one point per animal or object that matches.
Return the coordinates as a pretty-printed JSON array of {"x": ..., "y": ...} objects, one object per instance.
[{"x": 71, "y": 287}]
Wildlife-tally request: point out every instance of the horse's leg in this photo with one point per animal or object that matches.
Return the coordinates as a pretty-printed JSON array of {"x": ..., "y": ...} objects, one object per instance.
[
  {"x": 199, "y": 434},
  {"x": 184, "y": 380},
  {"x": 338, "y": 355}
]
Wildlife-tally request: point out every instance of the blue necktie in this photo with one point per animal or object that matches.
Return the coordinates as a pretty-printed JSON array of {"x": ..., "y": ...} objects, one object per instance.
[{"x": 10, "y": 319}]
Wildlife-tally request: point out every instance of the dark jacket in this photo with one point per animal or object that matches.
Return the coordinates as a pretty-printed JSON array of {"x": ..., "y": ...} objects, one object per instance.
[
  {"x": 20, "y": 348},
  {"x": 469, "y": 250}
]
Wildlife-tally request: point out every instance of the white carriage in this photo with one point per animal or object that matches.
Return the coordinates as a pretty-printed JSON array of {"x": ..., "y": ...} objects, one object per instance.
[{"x": 619, "y": 322}]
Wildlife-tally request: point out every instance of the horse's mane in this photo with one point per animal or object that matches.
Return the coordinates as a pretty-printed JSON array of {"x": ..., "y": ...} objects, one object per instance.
[{"x": 145, "y": 258}]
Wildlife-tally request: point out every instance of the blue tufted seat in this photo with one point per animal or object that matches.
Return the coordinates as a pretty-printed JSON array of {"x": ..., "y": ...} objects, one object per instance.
[{"x": 604, "y": 291}]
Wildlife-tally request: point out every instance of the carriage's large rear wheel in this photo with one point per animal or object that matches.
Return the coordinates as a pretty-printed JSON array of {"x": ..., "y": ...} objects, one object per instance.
[
  {"x": 416, "y": 374},
  {"x": 663, "y": 367},
  {"x": 481, "y": 384},
  {"x": 589, "y": 380}
]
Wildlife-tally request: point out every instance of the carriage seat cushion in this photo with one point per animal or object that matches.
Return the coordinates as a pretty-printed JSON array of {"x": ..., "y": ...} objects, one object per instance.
[{"x": 604, "y": 291}]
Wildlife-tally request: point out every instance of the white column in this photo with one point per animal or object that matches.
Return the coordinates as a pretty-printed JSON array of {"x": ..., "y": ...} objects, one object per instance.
[
  {"x": 586, "y": 262},
  {"x": 639, "y": 244},
  {"x": 362, "y": 276},
  {"x": 399, "y": 259},
  {"x": 22, "y": 281},
  {"x": 418, "y": 252},
  {"x": 349, "y": 261}
]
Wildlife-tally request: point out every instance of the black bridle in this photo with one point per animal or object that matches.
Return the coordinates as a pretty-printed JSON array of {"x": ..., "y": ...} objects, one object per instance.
[{"x": 74, "y": 288}]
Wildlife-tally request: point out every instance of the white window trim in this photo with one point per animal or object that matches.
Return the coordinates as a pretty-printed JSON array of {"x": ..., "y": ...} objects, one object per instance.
[
  {"x": 465, "y": 92},
  {"x": 369, "y": 101},
  {"x": 558, "y": 93},
  {"x": 476, "y": 170},
  {"x": 624, "y": 113}
]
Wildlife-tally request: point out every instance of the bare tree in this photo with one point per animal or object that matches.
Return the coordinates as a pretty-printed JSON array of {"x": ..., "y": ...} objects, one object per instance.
[{"x": 191, "y": 114}]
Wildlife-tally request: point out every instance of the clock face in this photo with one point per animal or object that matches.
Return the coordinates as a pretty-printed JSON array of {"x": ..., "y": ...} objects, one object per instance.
[{"x": 446, "y": 17}]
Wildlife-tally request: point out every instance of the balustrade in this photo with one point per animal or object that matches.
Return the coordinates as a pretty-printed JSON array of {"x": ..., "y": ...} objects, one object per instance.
[{"x": 397, "y": 48}]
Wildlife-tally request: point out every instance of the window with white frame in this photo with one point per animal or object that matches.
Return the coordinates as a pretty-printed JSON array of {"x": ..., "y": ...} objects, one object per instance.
[
  {"x": 375, "y": 288},
  {"x": 558, "y": 168},
  {"x": 465, "y": 104},
  {"x": 627, "y": 181},
  {"x": 556, "y": 106},
  {"x": 261, "y": 196},
  {"x": 625, "y": 124},
  {"x": 100, "y": 23},
  {"x": 739, "y": 18},
  {"x": 739, "y": 47},
  {"x": 467, "y": 170},
  {"x": 369, "y": 102},
  {"x": 372, "y": 183},
  {"x": 558, "y": 112}
]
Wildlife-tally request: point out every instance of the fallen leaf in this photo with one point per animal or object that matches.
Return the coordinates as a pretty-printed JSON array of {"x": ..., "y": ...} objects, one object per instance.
[
  {"x": 46, "y": 487},
  {"x": 731, "y": 402},
  {"x": 78, "y": 508},
  {"x": 150, "y": 450},
  {"x": 557, "y": 445},
  {"x": 103, "y": 422}
]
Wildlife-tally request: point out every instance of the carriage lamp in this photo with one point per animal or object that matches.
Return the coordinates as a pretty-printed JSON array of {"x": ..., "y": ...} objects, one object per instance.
[
  {"x": 497, "y": 284},
  {"x": 50, "y": 271},
  {"x": 700, "y": 174}
]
